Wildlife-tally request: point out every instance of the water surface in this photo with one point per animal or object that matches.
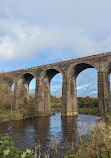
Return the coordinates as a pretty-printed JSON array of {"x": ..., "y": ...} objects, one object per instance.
[{"x": 51, "y": 131}]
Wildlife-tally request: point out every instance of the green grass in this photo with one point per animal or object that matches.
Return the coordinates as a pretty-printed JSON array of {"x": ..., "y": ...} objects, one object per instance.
[
  {"x": 88, "y": 111},
  {"x": 7, "y": 116},
  {"x": 55, "y": 107},
  {"x": 106, "y": 117}
]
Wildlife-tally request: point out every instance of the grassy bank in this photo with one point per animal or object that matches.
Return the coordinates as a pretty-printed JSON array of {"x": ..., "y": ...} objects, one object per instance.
[
  {"x": 28, "y": 109},
  {"x": 88, "y": 111},
  {"x": 56, "y": 104},
  {"x": 55, "y": 107},
  {"x": 98, "y": 145},
  {"x": 29, "y": 112},
  {"x": 8, "y": 116}
]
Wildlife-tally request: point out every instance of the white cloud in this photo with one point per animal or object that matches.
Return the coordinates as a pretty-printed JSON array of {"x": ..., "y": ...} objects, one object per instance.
[
  {"x": 29, "y": 27},
  {"x": 18, "y": 41},
  {"x": 87, "y": 83}
]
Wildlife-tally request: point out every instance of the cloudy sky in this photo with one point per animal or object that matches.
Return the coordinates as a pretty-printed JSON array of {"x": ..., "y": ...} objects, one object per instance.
[{"x": 37, "y": 32}]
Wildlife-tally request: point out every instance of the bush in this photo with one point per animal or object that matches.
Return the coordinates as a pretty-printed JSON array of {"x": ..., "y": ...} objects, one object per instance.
[
  {"x": 87, "y": 102},
  {"x": 28, "y": 108},
  {"x": 98, "y": 145},
  {"x": 55, "y": 103},
  {"x": 8, "y": 149}
]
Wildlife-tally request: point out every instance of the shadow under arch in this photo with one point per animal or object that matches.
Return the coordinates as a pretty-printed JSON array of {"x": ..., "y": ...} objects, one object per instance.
[
  {"x": 21, "y": 89},
  {"x": 25, "y": 78},
  {"x": 75, "y": 69},
  {"x": 51, "y": 70},
  {"x": 43, "y": 90},
  {"x": 49, "y": 74}
]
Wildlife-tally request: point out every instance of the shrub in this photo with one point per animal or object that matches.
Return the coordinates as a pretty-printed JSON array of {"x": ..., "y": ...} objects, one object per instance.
[
  {"x": 8, "y": 149},
  {"x": 98, "y": 146}
]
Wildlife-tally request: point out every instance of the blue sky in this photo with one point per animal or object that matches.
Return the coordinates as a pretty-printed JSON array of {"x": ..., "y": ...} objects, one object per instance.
[{"x": 40, "y": 32}]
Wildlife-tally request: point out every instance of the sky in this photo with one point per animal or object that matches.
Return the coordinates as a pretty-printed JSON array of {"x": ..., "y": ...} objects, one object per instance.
[{"x": 37, "y": 32}]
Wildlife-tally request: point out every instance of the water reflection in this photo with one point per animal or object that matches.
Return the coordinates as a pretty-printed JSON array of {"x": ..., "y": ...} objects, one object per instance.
[
  {"x": 56, "y": 127},
  {"x": 69, "y": 128},
  {"x": 27, "y": 132}
]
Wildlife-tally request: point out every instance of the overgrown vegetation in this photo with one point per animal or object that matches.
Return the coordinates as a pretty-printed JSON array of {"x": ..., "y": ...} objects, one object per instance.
[
  {"x": 56, "y": 103},
  {"x": 98, "y": 145},
  {"x": 87, "y": 105},
  {"x": 8, "y": 149},
  {"x": 87, "y": 102},
  {"x": 27, "y": 109}
]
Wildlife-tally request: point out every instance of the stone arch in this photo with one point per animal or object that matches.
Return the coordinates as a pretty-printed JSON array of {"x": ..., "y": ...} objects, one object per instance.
[
  {"x": 21, "y": 89},
  {"x": 43, "y": 89},
  {"x": 25, "y": 78},
  {"x": 27, "y": 72},
  {"x": 72, "y": 74},
  {"x": 76, "y": 68},
  {"x": 53, "y": 70}
]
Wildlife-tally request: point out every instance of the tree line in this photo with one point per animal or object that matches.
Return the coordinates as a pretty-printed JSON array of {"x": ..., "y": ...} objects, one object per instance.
[{"x": 87, "y": 102}]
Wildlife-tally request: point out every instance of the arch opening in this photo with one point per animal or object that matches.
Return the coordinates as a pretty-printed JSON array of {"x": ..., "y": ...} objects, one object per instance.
[
  {"x": 25, "y": 79},
  {"x": 87, "y": 92},
  {"x": 26, "y": 89},
  {"x": 80, "y": 67},
  {"x": 49, "y": 74},
  {"x": 12, "y": 87},
  {"x": 83, "y": 86},
  {"x": 56, "y": 93},
  {"x": 49, "y": 84}
]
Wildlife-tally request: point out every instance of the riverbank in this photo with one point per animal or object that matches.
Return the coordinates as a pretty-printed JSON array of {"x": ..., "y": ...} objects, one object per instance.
[
  {"x": 98, "y": 145},
  {"x": 24, "y": 112},
  {"x": 17, "y": 115},
  {"x": 88, "y": 111},
  {"x": 27, "y": 114},
  {"x": 8, "y": 116}
]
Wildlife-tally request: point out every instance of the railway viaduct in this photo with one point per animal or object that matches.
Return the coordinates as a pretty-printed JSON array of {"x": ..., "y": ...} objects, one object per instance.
[{"x": 69, "y": 70}]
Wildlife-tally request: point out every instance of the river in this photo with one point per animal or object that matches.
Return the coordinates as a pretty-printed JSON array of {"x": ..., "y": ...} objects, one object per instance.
[{"x": 51, "y": 132}]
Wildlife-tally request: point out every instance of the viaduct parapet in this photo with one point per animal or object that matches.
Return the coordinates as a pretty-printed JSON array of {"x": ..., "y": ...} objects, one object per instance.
[{"x": 70, "y": 70}]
